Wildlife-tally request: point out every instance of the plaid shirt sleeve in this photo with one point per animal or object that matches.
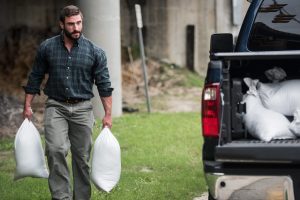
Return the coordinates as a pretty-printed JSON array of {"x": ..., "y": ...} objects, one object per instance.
[
  {"x": 101, "y": 74},
  {"x": 38, "y": 71}
]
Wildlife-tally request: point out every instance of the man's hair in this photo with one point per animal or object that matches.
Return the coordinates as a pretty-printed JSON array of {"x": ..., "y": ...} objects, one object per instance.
[{"x": 69, "y": 11}]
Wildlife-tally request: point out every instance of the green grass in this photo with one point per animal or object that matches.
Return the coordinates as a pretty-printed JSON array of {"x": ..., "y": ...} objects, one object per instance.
[{"x": 161, "y": 159}]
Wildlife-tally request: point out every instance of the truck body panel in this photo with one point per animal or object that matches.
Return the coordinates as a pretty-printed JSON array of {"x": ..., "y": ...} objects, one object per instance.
[{"x": 230, "y": 153}]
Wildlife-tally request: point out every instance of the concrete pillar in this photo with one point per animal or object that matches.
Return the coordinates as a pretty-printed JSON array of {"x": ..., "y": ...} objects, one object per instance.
[
  {"x": 101, "y": 24},
  {"x": 206, "y": 26}
]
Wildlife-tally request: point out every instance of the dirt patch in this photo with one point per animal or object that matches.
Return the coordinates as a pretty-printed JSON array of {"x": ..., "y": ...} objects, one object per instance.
[
  {"x": 11, "y": 108},
  {"x": 166, "y": 90},
  {"x": 10, "y": 118}
]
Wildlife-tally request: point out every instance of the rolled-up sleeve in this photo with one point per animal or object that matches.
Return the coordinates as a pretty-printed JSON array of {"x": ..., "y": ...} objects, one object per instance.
[
  {"x": 101, "y": 74},
  {"x": 38, "y": 71}
]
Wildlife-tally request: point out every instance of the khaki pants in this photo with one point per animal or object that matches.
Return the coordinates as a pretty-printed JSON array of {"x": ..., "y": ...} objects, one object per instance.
[{"x": 69, "y": 125}]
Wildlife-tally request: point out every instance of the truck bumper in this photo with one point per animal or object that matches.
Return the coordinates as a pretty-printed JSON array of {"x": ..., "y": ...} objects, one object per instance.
[
  {"x": 224, "y": 187},
  {"x": 248, "y": 185}
]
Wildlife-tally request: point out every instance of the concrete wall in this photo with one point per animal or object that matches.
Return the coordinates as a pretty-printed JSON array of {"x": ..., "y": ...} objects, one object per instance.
[
  {"x": 206, "y": 26},
  {"x": 216, "y": 16},
  {"x": 128, "y": 24},
  {"x": 155, "y": 29},
  {"x": 180, "y": 15},
  {"x": 42, "y": 14},
  {"x": 208, "y": 17},
  {"x": 165, "y": 24}
]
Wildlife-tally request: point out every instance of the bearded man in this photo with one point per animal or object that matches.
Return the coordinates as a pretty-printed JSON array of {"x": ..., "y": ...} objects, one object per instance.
[{"x": 73, "y": 64}]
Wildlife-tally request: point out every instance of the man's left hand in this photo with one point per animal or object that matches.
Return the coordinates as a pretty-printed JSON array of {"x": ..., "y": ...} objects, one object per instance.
[{"x": 107, "y": 121}]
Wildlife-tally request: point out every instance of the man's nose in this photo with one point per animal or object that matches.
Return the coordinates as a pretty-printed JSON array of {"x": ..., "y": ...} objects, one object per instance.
[{"x": 76, "y": 27}]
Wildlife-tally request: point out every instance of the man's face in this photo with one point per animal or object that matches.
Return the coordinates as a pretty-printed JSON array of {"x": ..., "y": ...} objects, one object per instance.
[{"x": 72, "y": 27}]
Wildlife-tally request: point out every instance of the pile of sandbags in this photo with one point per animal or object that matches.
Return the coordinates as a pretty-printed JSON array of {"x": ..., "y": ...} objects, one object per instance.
[
  {"x": 268, "y": 104},
  {"x": 263, "y": 123}
]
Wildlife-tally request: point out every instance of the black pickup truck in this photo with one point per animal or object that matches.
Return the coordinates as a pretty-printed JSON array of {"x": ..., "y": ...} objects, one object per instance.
[{"x": 237, "y": 165}]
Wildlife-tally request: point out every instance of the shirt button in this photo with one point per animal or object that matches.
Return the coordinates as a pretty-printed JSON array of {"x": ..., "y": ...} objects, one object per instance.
[
  {"x": 67, "y": 88},
  {"x": 67, "y": 77},
  {"x": 70, "y": 57}
]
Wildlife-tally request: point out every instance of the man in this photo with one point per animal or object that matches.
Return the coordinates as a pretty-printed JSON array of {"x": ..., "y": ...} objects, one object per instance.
[{"x": 73, "y": 64}]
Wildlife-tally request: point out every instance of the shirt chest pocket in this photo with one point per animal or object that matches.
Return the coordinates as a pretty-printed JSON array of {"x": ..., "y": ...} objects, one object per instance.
[{"x": 83, "y": 61}]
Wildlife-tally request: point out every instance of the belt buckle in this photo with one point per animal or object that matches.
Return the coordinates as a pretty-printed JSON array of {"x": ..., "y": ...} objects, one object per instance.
[
  {"x": 70, "y": 101},
  {"x": 73, "y": 101}
]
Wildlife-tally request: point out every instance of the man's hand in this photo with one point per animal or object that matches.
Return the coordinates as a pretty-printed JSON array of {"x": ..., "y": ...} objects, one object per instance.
[
  {"x": 107, "y": 121},
  {"x": 27, "y": 112}
]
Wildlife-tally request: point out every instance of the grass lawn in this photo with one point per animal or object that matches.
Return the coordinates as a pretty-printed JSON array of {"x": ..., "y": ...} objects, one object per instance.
[{"x": 161, "y": 159}]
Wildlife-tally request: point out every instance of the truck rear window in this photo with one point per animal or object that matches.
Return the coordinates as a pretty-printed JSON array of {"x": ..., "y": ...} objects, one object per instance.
[{"x": 276, "y": 27}]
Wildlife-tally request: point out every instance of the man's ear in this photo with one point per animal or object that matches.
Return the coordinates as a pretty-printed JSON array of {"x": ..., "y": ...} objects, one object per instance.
[{"x": 61, "y": 25}]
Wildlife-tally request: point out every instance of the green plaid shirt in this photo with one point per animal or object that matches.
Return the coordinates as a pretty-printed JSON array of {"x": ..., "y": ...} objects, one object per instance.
[{"x": 71, "y": 74}]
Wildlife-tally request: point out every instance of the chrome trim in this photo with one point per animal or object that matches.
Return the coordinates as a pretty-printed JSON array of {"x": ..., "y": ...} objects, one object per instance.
[
  {"x": 254, "y": 161},
  {"x": 211, "y": 180},
  {"x": 257, "y": 55}
]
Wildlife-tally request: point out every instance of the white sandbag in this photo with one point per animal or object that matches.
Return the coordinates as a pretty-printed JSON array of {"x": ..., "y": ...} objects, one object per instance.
[
  {"x": 106, "y": 162},
  {"x": 263, "y": 123},
  {"x": 283, "y": 97},
  {"x": 295, "y": 124},
  {"x": 29, "y": 153}
]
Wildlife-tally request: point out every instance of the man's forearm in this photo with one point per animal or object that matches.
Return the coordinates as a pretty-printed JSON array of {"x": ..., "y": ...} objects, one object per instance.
[
  {"x": 27, "y": 112},
  {"x": 28, "y": 100},
  {"x": 107, "y": 104}
]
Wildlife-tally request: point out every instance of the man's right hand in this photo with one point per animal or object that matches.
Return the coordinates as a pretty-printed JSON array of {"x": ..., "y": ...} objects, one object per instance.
[{"x": 27, "y": 112}]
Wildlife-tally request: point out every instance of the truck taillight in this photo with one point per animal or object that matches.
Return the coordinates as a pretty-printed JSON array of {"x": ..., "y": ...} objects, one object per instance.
[{"x": 211, "y": 110}]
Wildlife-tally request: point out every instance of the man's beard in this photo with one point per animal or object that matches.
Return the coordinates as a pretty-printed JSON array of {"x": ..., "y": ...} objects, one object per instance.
[{"x": 69, "y": 34}]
